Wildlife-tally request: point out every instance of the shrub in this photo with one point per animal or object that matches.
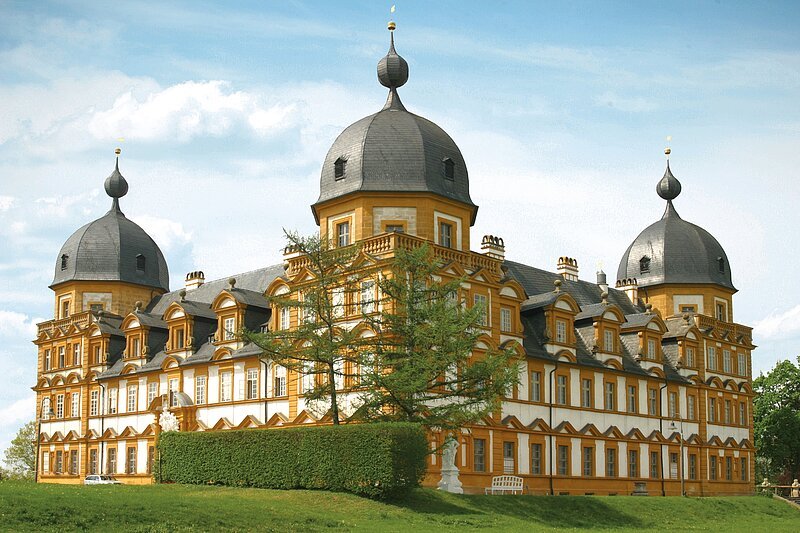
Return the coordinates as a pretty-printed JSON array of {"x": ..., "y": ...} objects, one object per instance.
[{"x": 381, "y": 460}]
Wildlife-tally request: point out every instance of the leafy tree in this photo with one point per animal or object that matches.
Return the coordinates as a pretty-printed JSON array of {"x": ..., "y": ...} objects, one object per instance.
[
  {"x": 317, "y": 347},
  {"x": 421, "y": 367},
  {"x": 20, "y": 457},
  {"x": 777, "y": 422}
]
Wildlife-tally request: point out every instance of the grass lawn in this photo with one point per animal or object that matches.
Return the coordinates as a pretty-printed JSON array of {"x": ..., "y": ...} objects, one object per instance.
[{"x": 29, "y": 507}]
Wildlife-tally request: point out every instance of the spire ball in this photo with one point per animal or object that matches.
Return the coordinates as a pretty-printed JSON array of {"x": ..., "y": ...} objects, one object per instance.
[
  {"x": 668, "y": 187},
  {"x": 392, "y": 68},
  {"x": 115, "y": 185}
]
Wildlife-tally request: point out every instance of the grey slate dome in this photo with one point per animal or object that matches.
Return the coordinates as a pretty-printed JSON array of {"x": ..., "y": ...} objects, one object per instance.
[
  {"x": 112, "y": 248},
  {"x": 394, "y": 150},
  {"x": 673, "y": 250}
]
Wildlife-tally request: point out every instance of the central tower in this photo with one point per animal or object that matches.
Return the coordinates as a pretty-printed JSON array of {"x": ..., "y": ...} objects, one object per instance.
[{"x": 395, "y": 171}]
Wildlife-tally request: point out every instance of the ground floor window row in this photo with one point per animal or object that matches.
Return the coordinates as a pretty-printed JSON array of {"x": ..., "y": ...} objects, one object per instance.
[
  {"x": 610, "y": 462},
  {"x": 68, "y": 461}
]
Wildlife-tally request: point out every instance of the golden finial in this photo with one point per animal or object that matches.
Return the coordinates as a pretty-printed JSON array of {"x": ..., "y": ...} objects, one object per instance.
[
  {"x": 667, "y": 150},
  {"x": 391, "y": 24},
  {"x": 118, "y": 151}
]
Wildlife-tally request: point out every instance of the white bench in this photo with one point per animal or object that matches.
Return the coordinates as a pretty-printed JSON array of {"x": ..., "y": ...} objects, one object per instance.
[{"x": 504, "y": 484}]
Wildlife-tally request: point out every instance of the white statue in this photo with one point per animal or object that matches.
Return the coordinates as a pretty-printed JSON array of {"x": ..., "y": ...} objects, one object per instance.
[
  {"x": 450, "y": 481},
  {"x": 168, "y": 422}
]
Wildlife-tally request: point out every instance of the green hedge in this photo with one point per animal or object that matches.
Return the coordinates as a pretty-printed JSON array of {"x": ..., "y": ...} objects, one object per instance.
[{"x": 379, "y": 460}]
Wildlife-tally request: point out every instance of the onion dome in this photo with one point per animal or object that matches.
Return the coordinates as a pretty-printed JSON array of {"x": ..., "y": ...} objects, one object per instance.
[
  {"x": 673, "y": 250},
  {"x": 394, "y": 150},
  {"x": 112, "y": 248}
]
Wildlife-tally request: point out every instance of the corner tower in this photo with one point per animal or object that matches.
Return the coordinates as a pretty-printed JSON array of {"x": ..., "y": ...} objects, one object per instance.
[
  {"x": 395, "y": 171},
  {"x": 679, "y": 267},
  {"x": 108, "y": 264}
]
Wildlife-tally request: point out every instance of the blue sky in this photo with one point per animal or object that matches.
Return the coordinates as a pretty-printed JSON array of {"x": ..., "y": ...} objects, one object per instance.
[{"x": 560, "y": 109}]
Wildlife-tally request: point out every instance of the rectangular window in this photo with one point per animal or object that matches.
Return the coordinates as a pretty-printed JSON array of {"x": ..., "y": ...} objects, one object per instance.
[
  {"x": 608, "y": 340},
  {"x": 76, "y": 354},
  {"x": 563, "y": 460},
  {"x": 561, "y": 390},
  {"x": 712, "y": 410},
  {"x": 479, "y": 455},
  {"x": 610, "y": 396},
  {"x": 180, "y": 342},
  {"x": 561, "y": 331},
  {"x": 536, "y": 459},
  {"x": 173, "y": 387},
  {"x": 743, "y": 468},
  {"x": 505, "y": 319},
  {"x": 229, "y": 325},
  {"x": 73, "y": 462},
  {"x": 152, "y": 392},
  {"x": 672, "y": 407},
  {"x": 632, "y": 399},
  {"x": 60, "y": 406},
  {"x": 726, "y": 361},
  {"x": 368, "y": 297},
  {"x": 62, "y": 356},
  {"x": 131, "y": 463},
  {"x": 691, "y": 407},
  {"x": 651, "y": 349},
  {"x": 633, "y": 463},
  {"x": 712, "y": 469},
  {"x": 480, "y": 302},
  {"x": 692, "y": 466},
  {"x": 508, "y": 458},
  {"x": 93, "y": 461},
  {"x": 59, "y": 462},
  {"x": 673, "y": 465},
  {"x": 226, "y": 384},
  {"x": 712, "y": 358},
  {"x": 337, "y": 302},
  {"x": 611, "y": 462},
  {"x": 46, "y": 462},
  {"x": 111, "y": 467},
  {"x": 65, "y": 309},
  {"x": 588, "y": 461},
  {"x": 200, "y": 390},
  {"x": 280, "y": 381},
  {"x": 343, "y": 234},
  {"x": 536, "y": 386},
  {"x": 742, "y": 368},
  {"x": 586, "y": 392},
  {"x": 47, "y": 360},
  {"x": 93, "y": 402},
  {"x": 131, "y": 399},
  {"x": 394, "y": 228},
  {"x": 135, "y": 348},
  {"x": 252, "y": 384},
  {"x": 729, "y": 468},
  {"x": 652, "y": 402},
  {"x": 97, "y": 356},
  {"x": 654, "y": 466},
  {"x": 722, "y": 316},
  {"x": 690, "y": 357},
  {"x": 284, "y": 318},
  {"x": 742, "y": 414},
  {"x": 151, "y": 455},
  {"x": 727, "y": 411},
  {"x": 75, "y": 408},
  {"x": 445, "y": 234}
]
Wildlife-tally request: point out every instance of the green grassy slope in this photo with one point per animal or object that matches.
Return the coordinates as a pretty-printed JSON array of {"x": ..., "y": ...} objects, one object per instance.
[{"x": 28, "y": 507}]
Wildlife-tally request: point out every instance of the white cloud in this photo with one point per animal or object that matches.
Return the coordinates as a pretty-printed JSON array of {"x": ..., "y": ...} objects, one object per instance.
[
  {"x": 7, "y": 202},
  {"x": 634, "y": 104},
  {"x": 187, "y": 110},
  {"x": 779, "y": 325},
  {"x": 13, "y": 324},
  {"x": 63, "y": 206},
  {"x": 167, "y": 233},
  {"x": 18, "y": 412}
]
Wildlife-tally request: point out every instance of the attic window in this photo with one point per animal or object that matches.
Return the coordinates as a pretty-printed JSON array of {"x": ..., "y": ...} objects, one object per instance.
[
  {"x": 338, "y": 168},
  {"x": 141, "y": 262},
  {"x": 721, "y": 264},
  {"x": 644, "y": 265},
  {"x": 449, "y": 168},
  {"x": 64, "y": 259}
]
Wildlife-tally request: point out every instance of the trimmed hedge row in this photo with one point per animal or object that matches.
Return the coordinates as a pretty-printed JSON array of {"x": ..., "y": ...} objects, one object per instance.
[{"x": 380, "y": 460}]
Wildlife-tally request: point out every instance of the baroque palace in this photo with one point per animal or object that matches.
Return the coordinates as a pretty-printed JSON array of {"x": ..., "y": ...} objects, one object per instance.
[{"x": 645, "y": 383}]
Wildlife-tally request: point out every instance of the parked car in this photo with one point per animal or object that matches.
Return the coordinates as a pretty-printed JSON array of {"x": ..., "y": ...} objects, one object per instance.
[{"x": 101, "y": 480}]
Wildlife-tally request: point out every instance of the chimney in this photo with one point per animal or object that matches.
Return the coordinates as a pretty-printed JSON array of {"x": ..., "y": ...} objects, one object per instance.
[
  {"x": 493, "y": 247},
  {"x": 568, "y": 268},
  {"x": 601, "y": 281},
  {"x": 194, "y": 279},
  {"x": 631, "y": 288}
]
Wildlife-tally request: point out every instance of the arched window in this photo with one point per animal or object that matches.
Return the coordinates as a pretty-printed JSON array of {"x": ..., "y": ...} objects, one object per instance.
[
  {"x": 721, "y": 264},
  {"x": 64, "y": 260},
  {"x": 449, "y": 168},
  {"x": 339, "y": 168},
  {"x": 644, "y": 265},
  {"x": 141, "y": 263}
]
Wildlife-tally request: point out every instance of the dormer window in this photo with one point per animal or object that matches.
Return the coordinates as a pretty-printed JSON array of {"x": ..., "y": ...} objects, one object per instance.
[
  {"x": 449, "y": 168},
  {"x": 64, "y": 261},
  {"x": 644, "y": 265},
  {"x": 721, "y": 265},
  {"x": 141, "y": 263},
  {"x": 339, "y": 168}
]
